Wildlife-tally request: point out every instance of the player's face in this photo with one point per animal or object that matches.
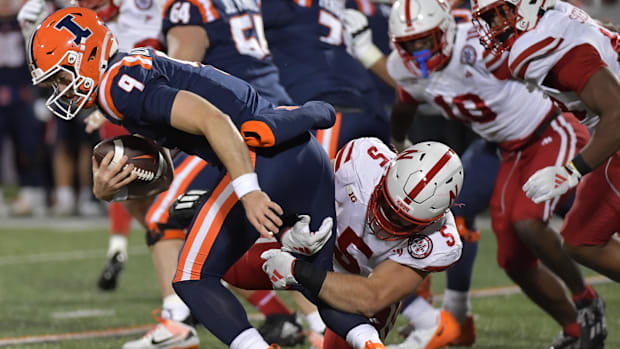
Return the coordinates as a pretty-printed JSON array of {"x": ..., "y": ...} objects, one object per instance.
[
  {"x": 498, "y": 21},
  {"x": 59, "y": 82},
  {"x": 424, "y": 43}
]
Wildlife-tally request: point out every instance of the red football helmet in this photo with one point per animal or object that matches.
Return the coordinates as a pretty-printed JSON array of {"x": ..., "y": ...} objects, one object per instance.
[
  {"x": 106, "y": 9},
  {"x": 74, "y": 41},
  {"x": 501, "y": 22},
  {"x": 418, "y": 187}
]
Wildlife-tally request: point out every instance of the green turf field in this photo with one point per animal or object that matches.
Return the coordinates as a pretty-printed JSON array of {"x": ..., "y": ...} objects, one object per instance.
[{"x": 48, "y": 277}]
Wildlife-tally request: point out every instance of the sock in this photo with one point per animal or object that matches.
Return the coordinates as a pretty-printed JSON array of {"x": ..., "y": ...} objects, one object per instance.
[
  {"x": 249, "y": 339},
  {"x": 315, "y": 322},
  {"x": 173, "y": 308},
  {"x": 268, "y": 303},
  {"x": 360, "y": 334},
  {"x": 85, "y": 194},
  {"x": 457, "y": 303},
  {"x": 572, "y": 329},
  {"x": 117, "y": 243},
  {"x": 120, "y": 219},
  {"x": 588, "y": 294},
  {"x": 421, "y": 314}
]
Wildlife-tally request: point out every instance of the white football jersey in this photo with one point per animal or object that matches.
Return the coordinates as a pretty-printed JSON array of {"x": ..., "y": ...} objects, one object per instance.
[
  {"x": 498, "y": 109},
  {"x": 358, "y": 169},
  {"x": 560, "y": 29},
  {"x": 137, "y": 20}
]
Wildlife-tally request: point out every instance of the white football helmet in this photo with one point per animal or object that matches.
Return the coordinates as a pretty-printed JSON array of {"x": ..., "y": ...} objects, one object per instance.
[
  {"x": 500, "y": 22},
  {"x": 423, "y": 32},
  {"x": 417, "y": 188}
]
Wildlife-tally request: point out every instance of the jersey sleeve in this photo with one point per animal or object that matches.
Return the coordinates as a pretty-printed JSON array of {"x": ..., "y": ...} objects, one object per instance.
[
  {"x": 433, "y": 252},
  {"x": 574, "y": 69},
  {"x": 273, "y": 126},
  {"x": 188, "y": 12},
  {"x": 130, "y": 91}
]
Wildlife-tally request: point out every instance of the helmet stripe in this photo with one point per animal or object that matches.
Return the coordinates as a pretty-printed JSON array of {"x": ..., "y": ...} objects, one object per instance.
[{"x": 433, "y": 171}]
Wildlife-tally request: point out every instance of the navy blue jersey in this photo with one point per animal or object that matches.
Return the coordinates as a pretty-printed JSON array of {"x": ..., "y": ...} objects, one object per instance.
[
  {"x": 236, "y": 40},
  {"x": 14, "y": 74},
  {"x": 378, "y": 15},
  {"x": 306, "y": 39},
  {"x": 139, "y": 88}
]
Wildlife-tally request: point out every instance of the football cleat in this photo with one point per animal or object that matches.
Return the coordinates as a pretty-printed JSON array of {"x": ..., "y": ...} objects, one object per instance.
[
  {"x": 284, "y": 329},
  {"x": 437, "y": 336},
  {"x": 111, "y": 271},
  {"x": 373, "y": 345},
  {"x": 167, "y": 334},
  {"x": 591, "y": 319},
  {"x": 316, "y": 340},
  {"x": 564, "y": 341},
  {"x": 468, "y": 333}
]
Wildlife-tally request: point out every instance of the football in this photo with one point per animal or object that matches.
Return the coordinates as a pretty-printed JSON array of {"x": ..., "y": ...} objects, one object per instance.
[{"x": 151, "y": 164}]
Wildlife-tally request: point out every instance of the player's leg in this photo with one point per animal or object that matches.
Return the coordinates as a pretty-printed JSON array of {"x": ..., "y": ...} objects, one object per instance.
[
  {"x": 481, "y": 164},
  {"x": 64, "y": 166},
  {"x": 26, "y": 132},
  {"x": 530, "y": 220},
  {"x": 520, "y": 264},
  {"x": 120, "y": 224}
]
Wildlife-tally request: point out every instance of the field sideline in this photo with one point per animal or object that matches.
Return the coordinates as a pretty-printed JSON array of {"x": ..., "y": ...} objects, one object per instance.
[{"x": 48, "y": 297}]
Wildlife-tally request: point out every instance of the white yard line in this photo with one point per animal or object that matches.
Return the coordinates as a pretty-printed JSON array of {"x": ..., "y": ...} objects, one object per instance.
[{"x": 64, "y": 256}]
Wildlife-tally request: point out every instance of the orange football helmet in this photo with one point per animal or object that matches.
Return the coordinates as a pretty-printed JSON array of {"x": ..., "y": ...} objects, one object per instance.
[{"x": 72, "y": 40}]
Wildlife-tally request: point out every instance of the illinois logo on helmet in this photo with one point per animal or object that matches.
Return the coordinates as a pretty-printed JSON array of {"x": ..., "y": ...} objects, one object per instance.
[
  {"x": 417, "y": 188},
  {"x": 69, "y": 51}
]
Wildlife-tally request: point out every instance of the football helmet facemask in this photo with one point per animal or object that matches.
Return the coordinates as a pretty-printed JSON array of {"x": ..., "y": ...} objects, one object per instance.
[
  {"x": 501, "y": 22},
  {"x": 423, "y": 32},
  {"x": 70, "y": 51},
  {"x": 417, "y": 188}
]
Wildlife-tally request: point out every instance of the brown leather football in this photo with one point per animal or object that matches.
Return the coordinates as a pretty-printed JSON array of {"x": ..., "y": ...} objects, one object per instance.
[{"x": 152, "y": 165}]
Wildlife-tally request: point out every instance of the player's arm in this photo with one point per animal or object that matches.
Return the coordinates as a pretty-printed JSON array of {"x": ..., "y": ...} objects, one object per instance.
[
  {"x": 195, "y": 115},
  {"x": 601, "y": 94},
  {"x": 401, "y": 118},
  {"x": 362, "y": 47},
  {"x": 187, "y": 42},
  {"x": 389, "y": 283}
]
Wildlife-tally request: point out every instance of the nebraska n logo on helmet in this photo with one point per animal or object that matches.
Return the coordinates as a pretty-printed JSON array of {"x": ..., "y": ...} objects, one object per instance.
[
  {"x": 416, "y": 190},
  {"x": 72, "y": 42}
]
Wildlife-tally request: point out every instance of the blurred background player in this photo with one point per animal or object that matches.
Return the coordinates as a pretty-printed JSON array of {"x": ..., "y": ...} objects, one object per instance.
[
  {"x": 308, "y": 46},
  {"x": 18, "y": 120}
]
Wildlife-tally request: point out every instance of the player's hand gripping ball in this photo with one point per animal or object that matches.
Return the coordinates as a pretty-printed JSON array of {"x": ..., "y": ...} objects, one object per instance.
[{"x": 152, "y": 165}]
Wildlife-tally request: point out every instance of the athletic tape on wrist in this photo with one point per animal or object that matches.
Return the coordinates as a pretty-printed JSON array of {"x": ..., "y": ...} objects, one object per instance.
[
  {"x": 308, "y": 276},
  {"x": 371, "y": 56},
  {"x": 580, "y": 165},
  {"x": 245, "y": 183}
]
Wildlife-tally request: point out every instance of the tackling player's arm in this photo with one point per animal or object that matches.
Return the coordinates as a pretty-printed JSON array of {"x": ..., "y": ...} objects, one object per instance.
[
  {"x": 189, "y": 42},
  {"x": 195, "y": 115},
  {"x": 389, "y": 283}
]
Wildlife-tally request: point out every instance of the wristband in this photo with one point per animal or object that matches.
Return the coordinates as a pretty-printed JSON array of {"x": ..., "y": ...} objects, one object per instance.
[
  {"x": 370, "y": 57},
  {"x": 308, "y": 276},
  {"x": 580, "y": 165},
  {"x": 245, "y": 183}
]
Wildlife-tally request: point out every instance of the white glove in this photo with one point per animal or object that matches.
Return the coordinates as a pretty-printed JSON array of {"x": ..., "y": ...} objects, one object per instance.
[
  {"x": 33, "y": 12},
  {"x": 362, "y": 47},
  {"x": 300, "y": 239},
  {"x": 551, "y": 182},
  {"x": 94, "y": 121},
  {"x": 279, "y": 267}
]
